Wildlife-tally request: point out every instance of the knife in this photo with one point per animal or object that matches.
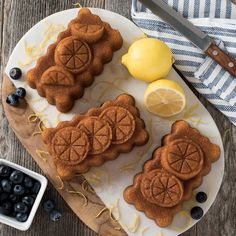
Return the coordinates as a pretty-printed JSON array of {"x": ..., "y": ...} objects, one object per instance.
[{"x": 192, "y": 33}]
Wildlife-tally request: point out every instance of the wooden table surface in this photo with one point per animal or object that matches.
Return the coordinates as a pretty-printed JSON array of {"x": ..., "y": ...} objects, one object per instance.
[{"x": 16, "y": 18}]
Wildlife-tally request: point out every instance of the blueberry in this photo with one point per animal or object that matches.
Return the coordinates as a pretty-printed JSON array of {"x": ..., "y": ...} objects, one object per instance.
[
  {"x": 201, "y": 197},
  {"x": 13, "y": 214},
  {"x": 17, "y": 177},
  {"x": 20, "y": 207},
  {"x": 7, "y": 206},
  {"x": 48, "y": 205},
  {"x": 12, "y": 100},
  {"x": 13, "y": 198},
  {"x": 34, "y": 196},
  {"x": 28, "y": 200},
  {"x": 3, "y": 197},
  {"x": 20, "y": 92},
  {"x": 21, "y": 217},
  {"x": 27, "y": 191},
  {"x": 6, "y": 185},
  {"x": 15, "y": 73},
  {"x": 55, "y": 215},
  {"x": 196, "y": 213},
  {"x": 5, "y": 171},
  {"x": 36, "y": 187},
  {"x": 19, "y": 189},
  {"x": 28, "y": 182},
  {"x": 2, "y": 211}
]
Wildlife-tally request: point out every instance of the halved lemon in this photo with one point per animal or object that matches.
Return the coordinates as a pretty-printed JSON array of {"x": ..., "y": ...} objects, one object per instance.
[{"x": 165, "y": 98}]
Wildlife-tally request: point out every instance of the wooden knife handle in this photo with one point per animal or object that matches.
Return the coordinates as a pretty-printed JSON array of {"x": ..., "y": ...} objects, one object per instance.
[{"x": 222, "y": 58}]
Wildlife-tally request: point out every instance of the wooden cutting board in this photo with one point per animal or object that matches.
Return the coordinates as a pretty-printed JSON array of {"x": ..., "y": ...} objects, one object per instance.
[{"x": 77, "y": 193}]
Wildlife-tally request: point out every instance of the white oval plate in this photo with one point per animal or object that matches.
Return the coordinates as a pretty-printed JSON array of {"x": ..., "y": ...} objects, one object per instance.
[{"x": 110, "y": 180}]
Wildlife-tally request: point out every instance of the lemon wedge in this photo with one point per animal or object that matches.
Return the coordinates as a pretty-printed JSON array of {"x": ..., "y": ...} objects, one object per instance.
[
  {"x": 165, "y": 98},
  {"x": 148, "y": 59}
]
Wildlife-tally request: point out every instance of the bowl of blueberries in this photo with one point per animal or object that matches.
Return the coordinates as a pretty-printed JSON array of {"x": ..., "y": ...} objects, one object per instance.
[{"x": 21, "y": 191}]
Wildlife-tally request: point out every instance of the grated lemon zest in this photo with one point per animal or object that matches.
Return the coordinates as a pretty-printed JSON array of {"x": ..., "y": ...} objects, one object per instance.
[
  {"x": 109, "y": 86},
  {"x": 25, "y": 63},
  {"x": 99, "y": 172},
  {"x": 127, "y": 167},
  {"x": 35, "y": 117},
  {"x": 190, "y": 111},
  {"x": 32, "y": 118},
  {"x": 91, "y": 189},
  {"x": 198, "y": 121},
  {"x": 176, "y": 228},
  {"x": 50, "y": 34},
  {"x": 161, "y": 233},
  {"x": 41, "y": 125},
  {"x": 143, "y": 230},
  {"x": 77, "y": 4},
  {"x": 58, "y": 117},
  {"x": 225, "y": 134},
  {"x": 82, "y": 185},
  {"x": 41, "y": 154},
  {"x": 88, "y": 187},
  {"x": 135, "y": 224},
  {"x": 80, "y": 194},
  {"x": 28, "y": 49},
  {"x": 186, "y": 214},
  {"x": 100, "y": 212},
  {"x": 33, "y": 52},
  {"x": 189, "y": 222},
  {"x": 93, "y": 180},
  {"x": 36, "y": 133},
  {"x": 96, "y": 176},
  {"x": 114, "y": 207},
  {"x": 61, "y": 182}
]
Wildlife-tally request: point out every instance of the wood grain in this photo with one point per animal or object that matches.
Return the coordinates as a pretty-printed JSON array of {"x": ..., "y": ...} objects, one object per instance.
[
  {"x": 86, "y": 209},
  {"x": 222, "y": 58},
  {"x": 17, "y": 17}
]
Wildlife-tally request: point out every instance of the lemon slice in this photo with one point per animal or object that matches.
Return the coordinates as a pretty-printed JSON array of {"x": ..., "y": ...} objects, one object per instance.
[{"x": 165, "y": 98}]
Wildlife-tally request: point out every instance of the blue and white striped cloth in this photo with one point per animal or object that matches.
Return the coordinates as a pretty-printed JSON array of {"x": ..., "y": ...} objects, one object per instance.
[{"x": 218, "y": 19}]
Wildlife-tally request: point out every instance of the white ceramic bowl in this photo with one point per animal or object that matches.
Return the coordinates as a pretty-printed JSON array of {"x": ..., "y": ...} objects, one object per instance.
[{"x": 43, "y": 181}]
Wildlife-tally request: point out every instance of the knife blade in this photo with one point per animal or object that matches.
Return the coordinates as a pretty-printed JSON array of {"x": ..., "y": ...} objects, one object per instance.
[{"x": 192, "y": 33}]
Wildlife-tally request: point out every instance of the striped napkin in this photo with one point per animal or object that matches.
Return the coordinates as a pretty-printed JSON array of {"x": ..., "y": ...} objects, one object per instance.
[{"x": 218, "y": 19}]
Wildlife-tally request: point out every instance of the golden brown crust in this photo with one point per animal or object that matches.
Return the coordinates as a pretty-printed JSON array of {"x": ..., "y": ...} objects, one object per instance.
[
  {"x": 73, "y": 55},
  {"x": 57, "y": 75},
  {"x": 87, "y": 33},
  {"x": 210, "y": 151},
  {"x": 183, "y": 158},
  {"x": 161, "y": 188},
  {"x": 181, "y": 130},
  {"x": 81, "y": 50},
  {"x": 70, "y": 146},
  {"x": 99, "y": 133},
  {"x": 121, "y": 121},
  {"x": 139, "y": 137}
]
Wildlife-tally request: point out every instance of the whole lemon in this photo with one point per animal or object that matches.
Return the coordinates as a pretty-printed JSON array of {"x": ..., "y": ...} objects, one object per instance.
[{"x": 148, "y": 59}]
